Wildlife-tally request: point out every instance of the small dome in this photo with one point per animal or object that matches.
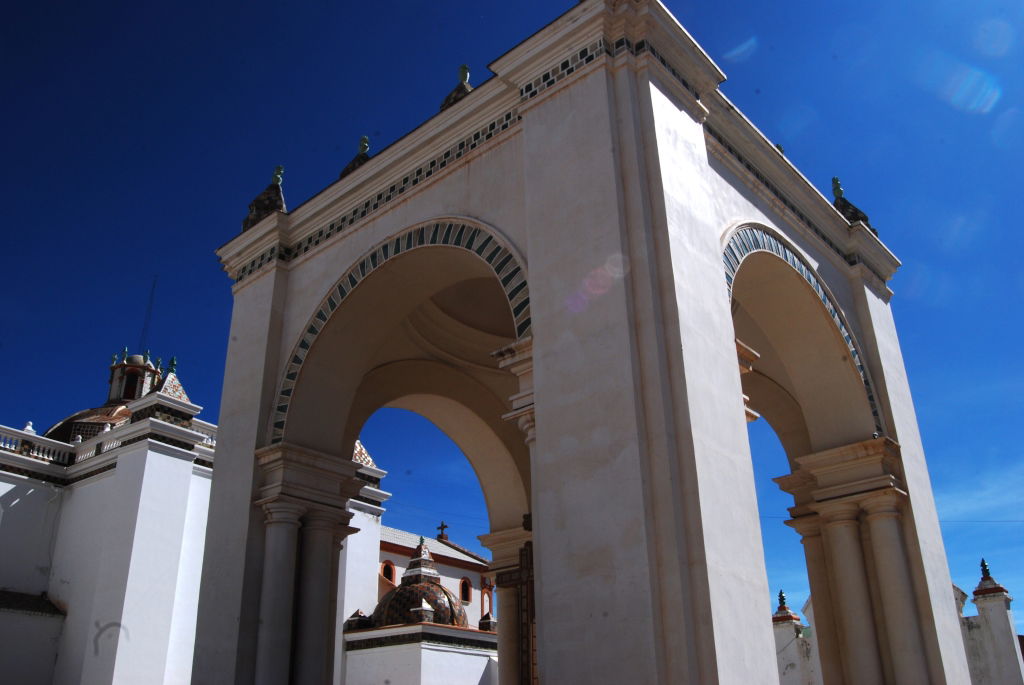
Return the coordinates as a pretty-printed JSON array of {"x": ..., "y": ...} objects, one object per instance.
[
  {"x": 419, "y": 586},
  {"x": 89, "y": 422},
  {"x": 136, "y": 360}
]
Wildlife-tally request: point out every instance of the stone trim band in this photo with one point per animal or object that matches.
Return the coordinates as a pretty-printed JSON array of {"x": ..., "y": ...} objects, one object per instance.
[{"x": 749, "y": 239}]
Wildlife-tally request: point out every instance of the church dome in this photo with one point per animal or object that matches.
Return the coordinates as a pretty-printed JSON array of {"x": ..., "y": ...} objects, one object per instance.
[
  {"x": 420, "y": 590},
  {"x": 89, "y": 423}
]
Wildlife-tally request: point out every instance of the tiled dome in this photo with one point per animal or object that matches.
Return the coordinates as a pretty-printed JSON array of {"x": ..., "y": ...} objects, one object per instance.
[{"x": 419, "y": 585}]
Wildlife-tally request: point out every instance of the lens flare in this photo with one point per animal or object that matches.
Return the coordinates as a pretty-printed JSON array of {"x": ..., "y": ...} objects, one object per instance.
[
  {"x": 743, "y": 51},
  {"x": 597, "y": 283},
  {"x": 964, "y": 87}
]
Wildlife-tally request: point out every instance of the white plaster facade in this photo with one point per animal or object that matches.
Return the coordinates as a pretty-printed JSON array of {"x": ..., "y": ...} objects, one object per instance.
[
  {"x": 595, "y": 228},
  {"x": 102, "y": 540}
]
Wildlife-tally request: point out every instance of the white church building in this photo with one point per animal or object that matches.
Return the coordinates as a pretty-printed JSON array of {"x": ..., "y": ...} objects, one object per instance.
[
  {"x": 102, "y": 527},
  {"x": 591, "y": 272}
]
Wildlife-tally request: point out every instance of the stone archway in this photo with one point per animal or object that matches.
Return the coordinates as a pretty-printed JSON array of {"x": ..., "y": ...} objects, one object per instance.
[
  {"x": 802, "y": 372},
  {"x": 468, "y": 236},
  {"x": 414, "y": 323}
]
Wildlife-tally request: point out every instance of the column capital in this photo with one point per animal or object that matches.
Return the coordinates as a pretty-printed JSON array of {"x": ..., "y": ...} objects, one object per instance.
[
  {"x": 325, "y": 519},
  {"x": 838, "y": 513},
  {"x": 283, "y": 511},
  {"x": 304, "y": 475},
  {"x": 883, "y": 504},
  {"x": 525, "y": 419},
  {"x": 808, "y": 526},
  {"x": 505, "y": 546}
]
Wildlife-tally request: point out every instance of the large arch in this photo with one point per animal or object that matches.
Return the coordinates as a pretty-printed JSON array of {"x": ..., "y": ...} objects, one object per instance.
[
  {"x": 416, "y": 323},
  {"x": 750, "y": 240},
  {"x": 467, "y": 235}
]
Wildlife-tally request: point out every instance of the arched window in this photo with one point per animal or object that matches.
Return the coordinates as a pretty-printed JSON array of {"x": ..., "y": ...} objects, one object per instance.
[
  {"x": 465, "y": 591},
  {"x": 387, "y": 569},
  {"x": 131, "y": 386}
]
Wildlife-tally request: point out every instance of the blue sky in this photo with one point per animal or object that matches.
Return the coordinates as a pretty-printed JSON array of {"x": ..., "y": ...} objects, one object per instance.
[{"x": 137, "y": 133}]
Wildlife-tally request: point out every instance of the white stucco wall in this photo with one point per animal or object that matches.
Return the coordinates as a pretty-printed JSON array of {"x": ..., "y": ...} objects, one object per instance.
[
  {"x": 28, "y": 514},
  {"x": 190, "y": 568},
  {"x": 357, "y": 576},
  {"x": 126, "y": 569},
  {"x": 421, "y": 664},
  {"x": 28, "y": 647}
]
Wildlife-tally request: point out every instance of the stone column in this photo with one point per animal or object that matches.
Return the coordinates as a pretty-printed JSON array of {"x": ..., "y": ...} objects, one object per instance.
[
  {"x": 896, "y": 588},
  {"x": 825, "y": 633},
  {"x": 850, "y": 593},
  {"x": 505, "y": 546},
  {"x": 274, "y": 642},
  {"x": 314, "y": 629},
  {"x": 508, "y": 635}
]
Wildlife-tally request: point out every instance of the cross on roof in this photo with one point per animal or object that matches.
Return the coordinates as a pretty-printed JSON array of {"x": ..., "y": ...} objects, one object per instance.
[{"x": 443, "y": 535}]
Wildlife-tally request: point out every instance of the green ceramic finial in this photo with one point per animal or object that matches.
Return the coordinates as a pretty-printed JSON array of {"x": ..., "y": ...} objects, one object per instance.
[
  {"x": 172, "y": 365},
  {"x": 464, "y": 74},
  {"x": 421, "y": 540},
  {"x": 782, "y": 599},
  {"x": 837, "y": 188},
  {"x": 145, "y": 357},
  {"x": 124, "y": 355},
  {"x": 158, "y": 361},
  {"x": 113, "y": 359},
  {"x": 278, "y": 174},
  {"x": 985, "y": 573},
  {"x": 364, "y": 145}
]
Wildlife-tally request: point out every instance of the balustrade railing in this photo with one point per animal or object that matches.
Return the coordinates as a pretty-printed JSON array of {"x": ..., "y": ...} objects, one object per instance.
[
  {"x": 35, "y": 446},
  {"x": 208, "y": 430}
]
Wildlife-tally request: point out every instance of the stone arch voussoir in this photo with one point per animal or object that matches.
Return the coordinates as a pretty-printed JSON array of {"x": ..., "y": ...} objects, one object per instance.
[
  {"x": 465, "y": 234},
  {"x": 751, "y": 238}
]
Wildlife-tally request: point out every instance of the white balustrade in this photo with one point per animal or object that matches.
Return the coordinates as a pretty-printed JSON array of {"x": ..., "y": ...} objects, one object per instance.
[
  {"x": 208, "y": 430},
  {"x": 35, "y": 446}
]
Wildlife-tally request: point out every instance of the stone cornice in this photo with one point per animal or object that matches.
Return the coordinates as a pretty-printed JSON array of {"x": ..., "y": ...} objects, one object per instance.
[{"x": 575, "y": 43}]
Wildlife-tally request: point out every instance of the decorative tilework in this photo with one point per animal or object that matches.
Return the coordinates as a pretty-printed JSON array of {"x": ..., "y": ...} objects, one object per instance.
[
  {"x": 384, "y": 196},
  {"x": 586, "y": 55},
  {"x": 451, "y": 233},
  {"x": 751, "y": 239},
  {"x": 395, "y": 608},
  {"x": 172, "y": 387}
]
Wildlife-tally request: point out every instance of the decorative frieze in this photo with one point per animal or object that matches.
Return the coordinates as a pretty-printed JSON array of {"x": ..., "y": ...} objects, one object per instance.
[{"x": 372, "y": 203}]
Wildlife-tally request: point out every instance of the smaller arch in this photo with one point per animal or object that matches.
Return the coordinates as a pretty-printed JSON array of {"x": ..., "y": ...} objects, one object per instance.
[
  {"x": 751, "y": 238},
  {"x": 466, "y": 590},
  {"x": 387, "y": 571}
]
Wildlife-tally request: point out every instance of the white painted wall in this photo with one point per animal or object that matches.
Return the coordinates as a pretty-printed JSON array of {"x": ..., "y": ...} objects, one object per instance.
[
  {"x": 990, "y": 638},
  {"x": 79, "y": 548},
  {"x": 794, "y": 650},
  {"x": 421, "y": 664},
  {"x": 397, "y": 664},
  {"x": 28, "y": 515},
  {"x": 441, "y": 665},
  {"x": 126, "y": 569},
  {"x": 190, "y": 568},
  {"x": 28, "y": 647},
  {"x": 357, "y": 577}
]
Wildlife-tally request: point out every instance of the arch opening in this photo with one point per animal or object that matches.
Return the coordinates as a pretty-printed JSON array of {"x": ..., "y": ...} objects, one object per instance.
[
  {"x": 806, "y": 393},
  {"x": 418, "y": 333}
]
